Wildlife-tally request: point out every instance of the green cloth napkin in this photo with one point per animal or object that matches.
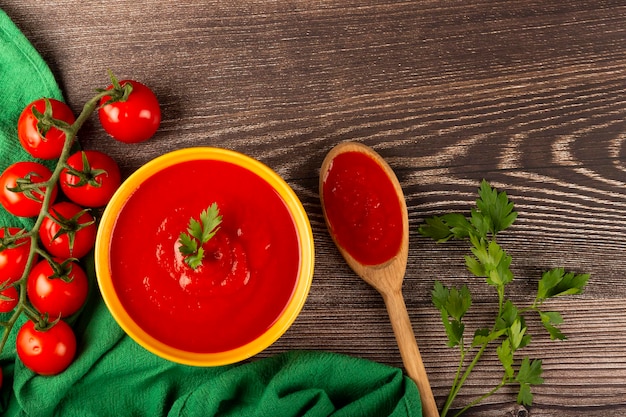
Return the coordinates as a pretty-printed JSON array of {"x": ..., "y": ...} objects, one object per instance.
[{"x": 114, "y": 376}]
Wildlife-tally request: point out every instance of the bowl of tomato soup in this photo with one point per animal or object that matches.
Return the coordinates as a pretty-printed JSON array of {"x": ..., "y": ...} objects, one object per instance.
[{"x": 204, "y": 256}]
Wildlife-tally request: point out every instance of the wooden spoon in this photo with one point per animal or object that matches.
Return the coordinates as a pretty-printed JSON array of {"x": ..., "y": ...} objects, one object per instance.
[{"x": 387, "y": 278}]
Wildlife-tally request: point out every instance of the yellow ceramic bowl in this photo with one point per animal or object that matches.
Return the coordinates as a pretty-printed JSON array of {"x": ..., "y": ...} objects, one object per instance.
[{"x": 104, "y": 259}]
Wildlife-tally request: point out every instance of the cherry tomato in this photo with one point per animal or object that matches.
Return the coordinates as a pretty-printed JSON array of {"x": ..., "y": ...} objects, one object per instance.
[
  {"x": 41, "y": 139},
  {"x": 13, "y": 256},
  {"x": 57, "y": 296},
  {"x": 22, "y": 201},
  {"x": 92, "y": 180},
  {"x": 8, "y": 299},
  {"x": 133, "y": 119},
  {"x": 49, "y": 351},
  {"x": 68, "y": 232}
]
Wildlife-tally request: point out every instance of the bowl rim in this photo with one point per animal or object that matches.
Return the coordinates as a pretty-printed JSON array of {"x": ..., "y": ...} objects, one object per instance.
[{"x": 292, "y": 308}]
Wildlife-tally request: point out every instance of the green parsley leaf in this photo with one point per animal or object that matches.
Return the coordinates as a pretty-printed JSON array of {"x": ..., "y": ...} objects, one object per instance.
[
  {"x": 550, "y": 320},
  {"x": 458, "y": 224},
  {"x": 195, "y": 229},
  {"x": 525, "y": 396},
  {"x": 194, "y": 260},
  {"x": 453, "y": 304},
  {"x": 474, "y": 266},
  {"x": 436, "y": 228},
  {"x": 440, "y": 295},
  {"x": 446, "y": 227},
  {"x": 459, "y": 302},
  {"x": 489, "y": 261},
  {"x": 505, "y": 354},
  {"x": 495, "y": 207},
  {"x": 188, "y": 245},
  {"x": 211, "y": 220},
  {"x": 198, "y": 233},
  {"x": 480, "y": 222},
  {"x": 528, "y": 374},
  {"x": 556, "y": 282},
  {"x": 508, "y": 315},
  {"x": 516, "y": 334},
  {"x": 454, "y": 329},
  {"x": 489, "y": 254},
  {"x": 455, "y": 301}
]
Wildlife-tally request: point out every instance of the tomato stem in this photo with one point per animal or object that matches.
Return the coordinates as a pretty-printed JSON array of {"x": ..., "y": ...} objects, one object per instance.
[
  {"x": 87, "y": 175},
  {"x": 23, "y": 307}
]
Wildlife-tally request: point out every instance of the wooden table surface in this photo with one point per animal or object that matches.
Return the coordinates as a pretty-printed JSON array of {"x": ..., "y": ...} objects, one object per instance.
[{"x": 528, "y": 94}]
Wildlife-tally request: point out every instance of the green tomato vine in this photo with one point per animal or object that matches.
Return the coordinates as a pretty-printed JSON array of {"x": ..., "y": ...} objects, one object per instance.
[{"x": 42, "y": 322}]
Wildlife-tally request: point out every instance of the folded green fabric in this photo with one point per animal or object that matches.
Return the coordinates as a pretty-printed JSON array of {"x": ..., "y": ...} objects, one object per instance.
[
  {"x": 114, "y": 376},
  {"x": 24, "y": 77}
]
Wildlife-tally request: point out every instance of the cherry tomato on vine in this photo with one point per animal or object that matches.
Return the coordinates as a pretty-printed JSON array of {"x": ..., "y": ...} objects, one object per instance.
[
  {"x": 48, "y": 351},
  {"x": 130, "y": 118},
  {"x": 19, "y": 194},
  {"x": 58, "y": 296},
  {"x": 37, "y": 135},
  {"x": 91, "y": 179},
  {"x": 13, "y": 255},
  {"x": 8, "y": 299},
  {"x": 69, "y": 231}
]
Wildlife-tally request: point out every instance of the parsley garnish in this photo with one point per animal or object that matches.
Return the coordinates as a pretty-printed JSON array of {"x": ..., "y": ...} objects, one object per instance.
[
  {"x": 494, "y": 213},
  {"x": 199, "y": 233}
]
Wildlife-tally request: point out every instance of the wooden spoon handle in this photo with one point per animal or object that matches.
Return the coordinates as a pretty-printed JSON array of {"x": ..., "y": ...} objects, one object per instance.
[{"x": 411, "y": 357}]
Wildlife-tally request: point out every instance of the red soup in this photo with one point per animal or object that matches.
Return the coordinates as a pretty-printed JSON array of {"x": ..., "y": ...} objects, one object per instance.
[
  {"x": 362, "y": 208},
  {"x": 248, "y": 273}
]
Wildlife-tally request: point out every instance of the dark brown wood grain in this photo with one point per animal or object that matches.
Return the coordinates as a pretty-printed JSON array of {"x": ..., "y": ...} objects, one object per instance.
[{"x": 530, "y": 95}]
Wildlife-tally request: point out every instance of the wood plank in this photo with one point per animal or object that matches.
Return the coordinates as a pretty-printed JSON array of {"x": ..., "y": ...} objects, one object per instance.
[{"x": 527, "y": 94}]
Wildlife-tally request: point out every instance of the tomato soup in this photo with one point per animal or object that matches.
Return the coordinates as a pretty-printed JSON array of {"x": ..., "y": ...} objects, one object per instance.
[
  {"x": 362, "y": 208},
  {"x": 250, "y": 266}
]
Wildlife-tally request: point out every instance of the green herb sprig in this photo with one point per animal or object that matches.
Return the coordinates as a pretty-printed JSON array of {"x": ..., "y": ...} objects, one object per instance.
[
  {"x": 494, "y": 213},
  {"x": 199, "y": 233}
]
